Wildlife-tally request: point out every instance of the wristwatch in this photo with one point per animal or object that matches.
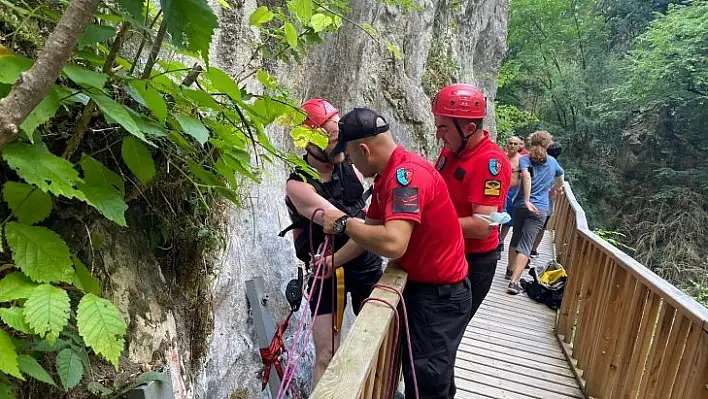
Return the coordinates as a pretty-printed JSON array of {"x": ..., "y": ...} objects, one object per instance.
[{"x": 340, "y": 225}]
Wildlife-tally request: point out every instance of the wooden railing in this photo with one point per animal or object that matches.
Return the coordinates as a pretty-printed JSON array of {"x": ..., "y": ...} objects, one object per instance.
[
  {"x": 360, "y": 367},
  {"x": 627, "y": 332}
]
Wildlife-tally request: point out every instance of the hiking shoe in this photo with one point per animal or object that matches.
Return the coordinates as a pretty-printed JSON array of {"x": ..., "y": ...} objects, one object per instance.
[
  {"x": 534, "y": 254},
  {"x": 508, "y": 274},
  {"x": 514, "y": 288}
]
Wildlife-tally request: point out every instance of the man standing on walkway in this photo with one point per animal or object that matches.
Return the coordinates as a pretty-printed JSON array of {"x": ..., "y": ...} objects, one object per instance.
[
  {"x": 477, "y": 174},
  {"x": 513, "y": 146},
  {"x": 411, "y": 220}
]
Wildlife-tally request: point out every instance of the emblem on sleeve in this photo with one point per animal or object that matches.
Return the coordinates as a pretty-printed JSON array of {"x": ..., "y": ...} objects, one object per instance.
[
  {"x": 494, "y": 166},
  {"x": 492, "y": 188},
  {"x": 405, "y": 200},
  {"x": 404, "y": 176},
  {"x": 441, "y": 163}
]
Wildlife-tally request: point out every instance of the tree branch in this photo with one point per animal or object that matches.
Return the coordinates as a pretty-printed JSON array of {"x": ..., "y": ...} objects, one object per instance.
[
  {"x": 33, "y": 85},
  {"x": 155, "y": 51}
]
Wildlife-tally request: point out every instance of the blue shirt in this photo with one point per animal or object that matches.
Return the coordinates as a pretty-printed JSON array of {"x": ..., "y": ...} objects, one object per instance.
[{"x": 542, "y": 177}]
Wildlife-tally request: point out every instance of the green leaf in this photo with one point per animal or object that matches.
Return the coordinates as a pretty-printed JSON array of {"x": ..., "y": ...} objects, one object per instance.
[
  {"x": 103, "y": 190},
  {"x": 6, "y": 391},
  {"x": 224, "y": 4},
  {"x": 149, "y": 376},
  {"x": 117, "y": 112},
  {"x": 370, "y": 30},
  {"x": 303, "y": 135},
  {"x": 29, "y": 204},
  {"x": 150, "y": 98},
  {"x": 106, "y": 200},
  {"x": 394, "y": 49},
  {"x": 47, "y": 310},
  {"x": 202, "y": 174},
  {"x": 8, "y": 356},
  {"x": 260, "y": 16},
  {"x": 268, "y": 109},
  {"x": 291, "y": 34},
  {"x": 83, "y": 279},
  {"x": 97, "y": 388},
  {"x": 16, "y": 286},
  {"x": 96, "y": 34},
  {"x": 45, "y": 170},
  {"x": 70, "y": 368},
  {"x": 266, "y": 79},
  {"x": 97, "y": 173},
  {"x": 15, "y": 318},
  {"x": 11, "y": 66},
  {"x": 46, "y": 346},
  {"x": 201, "y": 98},
  {"x": 40, "y": 253},
  {"x": 43, "y": 112},
  {"x": 193, "y": 127},
  {"x": 138, "y": 159},
  {"x": 320, "y": 22},
  {"x": 222, "y": 82},
  {"x": 85, "y": 77},
  {"x": 191, "y": 24},
  {"x": 101, "y": 327},
  {"x": 32, "y": 368},
  {"x": 302, "y": 9},
  {"x": 134, "y": 8}
]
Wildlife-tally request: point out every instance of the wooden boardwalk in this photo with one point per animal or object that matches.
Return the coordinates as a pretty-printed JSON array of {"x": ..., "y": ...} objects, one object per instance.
[{"x": 509, "y": 349}]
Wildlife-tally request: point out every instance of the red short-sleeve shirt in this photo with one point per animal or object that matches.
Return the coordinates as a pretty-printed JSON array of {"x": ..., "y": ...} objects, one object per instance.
[
  {"x": 479, "y": 176},
  {"x": 409, "y": 188}
]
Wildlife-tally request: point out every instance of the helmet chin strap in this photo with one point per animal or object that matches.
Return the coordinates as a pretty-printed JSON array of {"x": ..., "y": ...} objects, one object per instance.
[{"x": 463, "y": 138}]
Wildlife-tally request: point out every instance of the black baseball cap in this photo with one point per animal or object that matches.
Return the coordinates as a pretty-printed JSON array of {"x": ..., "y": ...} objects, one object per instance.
[{"x": 356, "y": 125}]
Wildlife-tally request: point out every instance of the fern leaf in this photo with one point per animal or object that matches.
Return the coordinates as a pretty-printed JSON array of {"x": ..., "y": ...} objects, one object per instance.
[
  {"x": 47, "y": 311},
  {"x": 101, "y": 327},
  {"x": 70, "y": 368}
]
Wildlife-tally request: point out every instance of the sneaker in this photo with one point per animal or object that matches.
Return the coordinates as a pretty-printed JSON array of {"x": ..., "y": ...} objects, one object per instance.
[
  {"x": 508, "y": 274},
  {"x": 534, "y": 254},
  {"x": 514, "y": 288}
]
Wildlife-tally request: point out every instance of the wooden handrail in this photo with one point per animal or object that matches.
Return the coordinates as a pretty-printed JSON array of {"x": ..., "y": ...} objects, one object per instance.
[
  {"x": 360, "y": 366},
  {"x": 626, "y": 331}
]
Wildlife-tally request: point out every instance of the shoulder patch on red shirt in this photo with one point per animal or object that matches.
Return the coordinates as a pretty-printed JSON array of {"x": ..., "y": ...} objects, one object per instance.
[
  {"x": 404, "y": 176},
  {"x": 492, "y": 188},
  {"x": 405, "y": 200},
  {"x": 494, "y": 166},
  {"x": 441, "y": 163}
]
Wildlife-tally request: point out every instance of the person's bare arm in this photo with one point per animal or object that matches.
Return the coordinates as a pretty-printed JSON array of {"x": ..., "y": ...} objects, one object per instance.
[
  {"x": 474, "y": 227},
  {"x": 526, "y": 182},
  {"x": 306, "y": 200},
  {"x": 389, "y": 239},
  {"x": 351, "y": 250}
]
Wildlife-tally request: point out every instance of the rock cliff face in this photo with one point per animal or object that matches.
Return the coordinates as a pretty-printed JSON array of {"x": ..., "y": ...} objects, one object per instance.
[{"x": 350, "y": 69}]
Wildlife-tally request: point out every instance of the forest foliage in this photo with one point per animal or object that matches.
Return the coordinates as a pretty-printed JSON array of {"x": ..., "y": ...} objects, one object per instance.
[
  {"x": 623, "y": 85},
  {"x": 128, "y": 132}
]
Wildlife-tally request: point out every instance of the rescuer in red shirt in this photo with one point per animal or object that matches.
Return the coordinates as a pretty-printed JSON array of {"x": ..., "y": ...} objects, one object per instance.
[
  {"x": 478, "y": 175},
  {"x": 411, "y": 220}
]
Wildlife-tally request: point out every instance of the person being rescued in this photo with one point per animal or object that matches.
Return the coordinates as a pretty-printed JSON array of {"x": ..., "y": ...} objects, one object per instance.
[{"x": 339, "y": 187}]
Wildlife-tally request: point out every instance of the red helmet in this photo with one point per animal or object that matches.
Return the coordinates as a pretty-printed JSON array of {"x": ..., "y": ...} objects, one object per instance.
[
  {"x": 460, "y": 100},
  {"x": 318, "y": 112}
]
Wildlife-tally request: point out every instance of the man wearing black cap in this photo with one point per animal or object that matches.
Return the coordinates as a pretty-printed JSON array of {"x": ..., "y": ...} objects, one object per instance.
[{"x": 412, "y": 221}]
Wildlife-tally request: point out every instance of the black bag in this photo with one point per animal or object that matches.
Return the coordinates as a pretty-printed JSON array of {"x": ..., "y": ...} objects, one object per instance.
[{"x": 548, "y": 284}]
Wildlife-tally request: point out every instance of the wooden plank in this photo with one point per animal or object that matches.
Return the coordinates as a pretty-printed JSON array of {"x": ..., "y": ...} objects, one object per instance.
[
  {"x": 577, "y": 373},
  {"x": 698, "y": 378},
  {"x": 516, "y": 318},
  {"x": 641, "y": 349},
  {"x": 674, "y": 352},
  {"x": 554, "y": 369},
  {"x": 501, "y": 329},
  {"x": 473, "y": 332},
  {"x": 485, "y": 320},
  {"x": 692, "y": 357},
  {"x": 554, "y": 361},
  {"x": 529, "y": 380},
  {"x": 466, "y": 387},
  {"x": 534, "y": 311},
  {"x": 346, "y": 374},
  {"x": 542, "y": 376},
  {"x": 658, "y": 346},
  {"x": 527, "y": 347},
  {"x": 593, "y": 286},
  {"x": 509, "y": 387},
  {"x": 565, "y": 320}
]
